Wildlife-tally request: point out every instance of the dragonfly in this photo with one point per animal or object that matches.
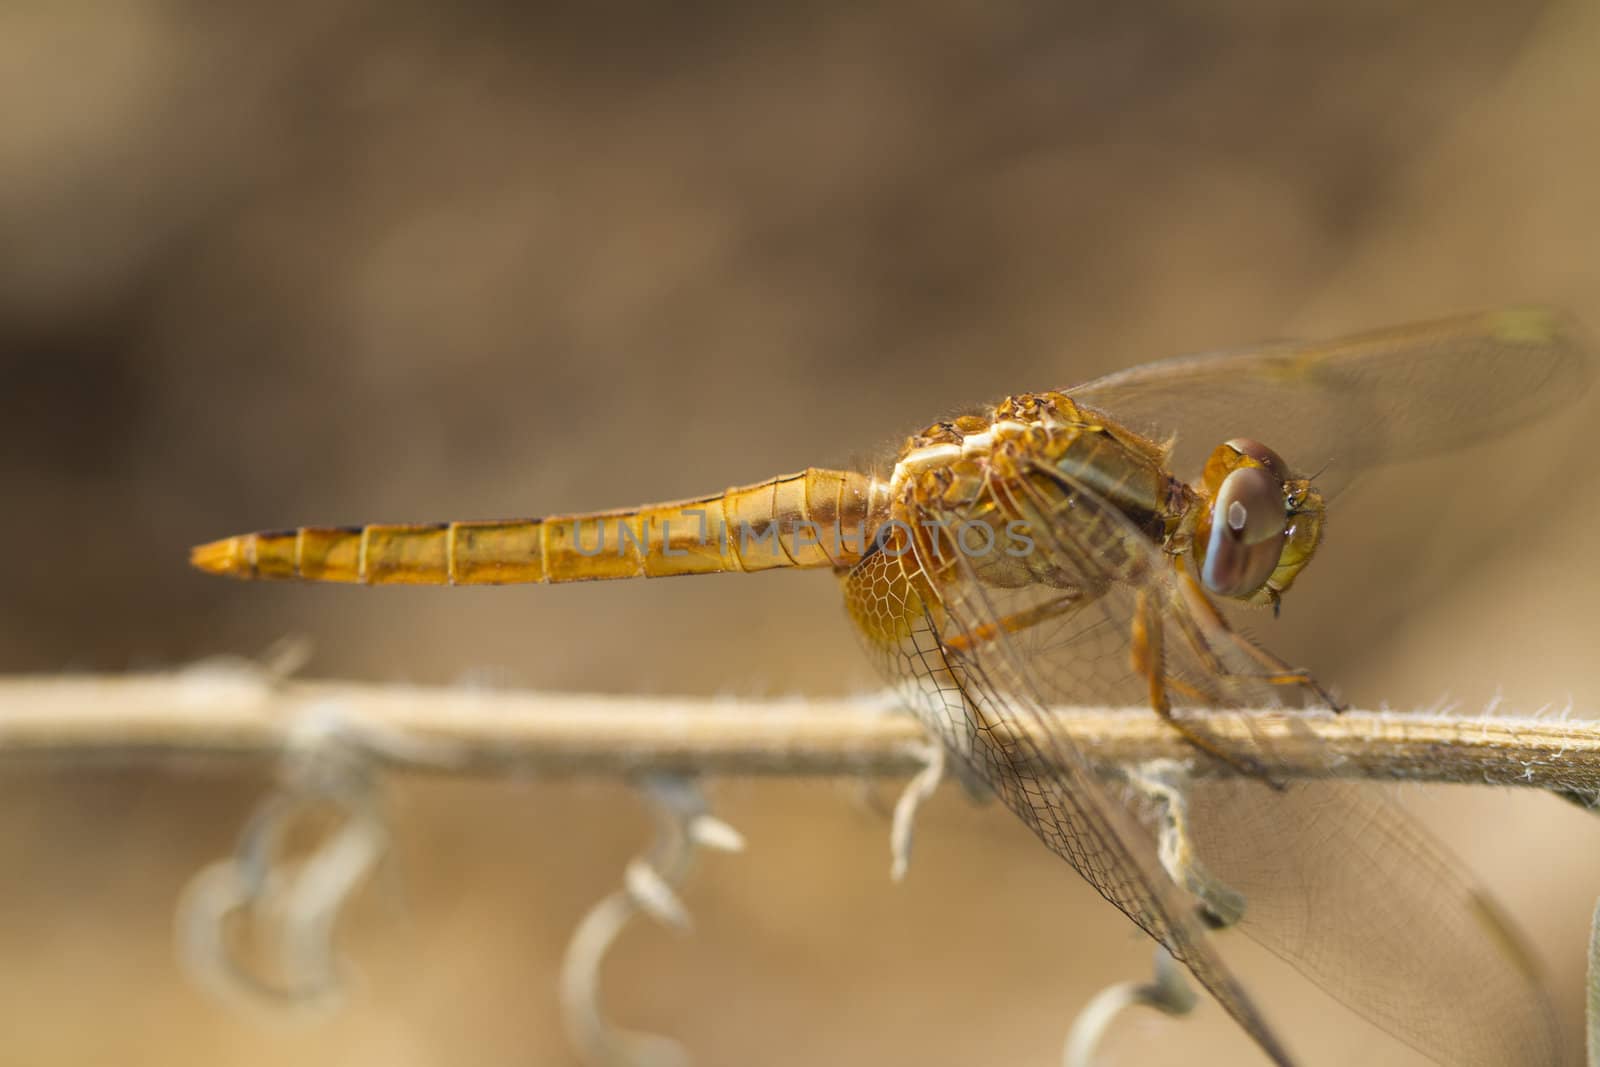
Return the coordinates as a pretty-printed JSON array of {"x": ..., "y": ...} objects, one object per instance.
[{"x": 1076, "y": 547}]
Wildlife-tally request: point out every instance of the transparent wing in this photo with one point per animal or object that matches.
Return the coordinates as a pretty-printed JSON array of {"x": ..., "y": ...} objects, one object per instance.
[
  {"x": 1362, "y": 401},
  {"x": 1336, "y": 880},
  {"x": 1041, "y": 776}
]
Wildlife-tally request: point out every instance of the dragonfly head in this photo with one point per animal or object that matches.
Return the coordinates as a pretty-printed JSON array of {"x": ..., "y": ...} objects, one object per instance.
[{"x": 1258, "y": 525}]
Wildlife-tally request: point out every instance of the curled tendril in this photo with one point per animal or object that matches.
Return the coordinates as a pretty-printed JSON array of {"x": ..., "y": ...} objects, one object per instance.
[
  {"x": 918, "y": 790},
  {"x": 685, "y": 825},
  {"x": 1168, "y": 992},
  {"x": 1167, "y": 782},
  {"x": 256, "y": 929}
]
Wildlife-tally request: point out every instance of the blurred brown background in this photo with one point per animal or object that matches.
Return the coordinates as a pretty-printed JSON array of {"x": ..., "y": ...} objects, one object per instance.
[{"x": 351, "y": 261}]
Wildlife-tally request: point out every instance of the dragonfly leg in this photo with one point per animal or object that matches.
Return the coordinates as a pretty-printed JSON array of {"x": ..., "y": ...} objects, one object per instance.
[
  {"x": 1017, "y": 621},
  {"x": 1199, "y": 615},
  {"x": 1148, "y": 659}
]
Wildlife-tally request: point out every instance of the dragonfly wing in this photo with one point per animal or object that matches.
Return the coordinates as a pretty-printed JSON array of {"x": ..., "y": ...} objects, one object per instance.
[
  {"x": 975, "y": 707},
  {"x": 1337, "y": 881},
  {"x": 1342, "y": 406}
]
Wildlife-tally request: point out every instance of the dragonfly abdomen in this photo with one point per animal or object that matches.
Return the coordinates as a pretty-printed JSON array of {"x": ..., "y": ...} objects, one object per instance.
[{"x": 816, "y": 518}]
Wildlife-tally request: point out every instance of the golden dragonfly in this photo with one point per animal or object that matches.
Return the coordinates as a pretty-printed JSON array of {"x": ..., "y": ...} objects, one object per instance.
[{"x": 1072, "y": 548}]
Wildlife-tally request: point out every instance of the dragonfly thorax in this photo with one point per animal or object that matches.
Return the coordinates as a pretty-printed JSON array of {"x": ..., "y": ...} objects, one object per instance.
[
  {"x": 1249, "y": 526},
  {"x": 980, "y": 487}
]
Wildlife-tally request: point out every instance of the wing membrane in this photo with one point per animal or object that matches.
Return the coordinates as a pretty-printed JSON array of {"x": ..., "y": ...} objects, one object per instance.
[
  {"x": 1040, "y": 775},
  {"x": 1337, "y": 880},
  {"x": 1376, "y": 398}
]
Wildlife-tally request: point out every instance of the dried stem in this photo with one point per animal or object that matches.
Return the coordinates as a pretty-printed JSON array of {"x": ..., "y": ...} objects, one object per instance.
[{"x": 241, "y": 715}]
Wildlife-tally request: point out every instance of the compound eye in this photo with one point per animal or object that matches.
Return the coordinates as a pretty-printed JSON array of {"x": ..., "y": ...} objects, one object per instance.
[
  {"x": 1261, "y": 454},
  {"x": 1247, "y": 533}
]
